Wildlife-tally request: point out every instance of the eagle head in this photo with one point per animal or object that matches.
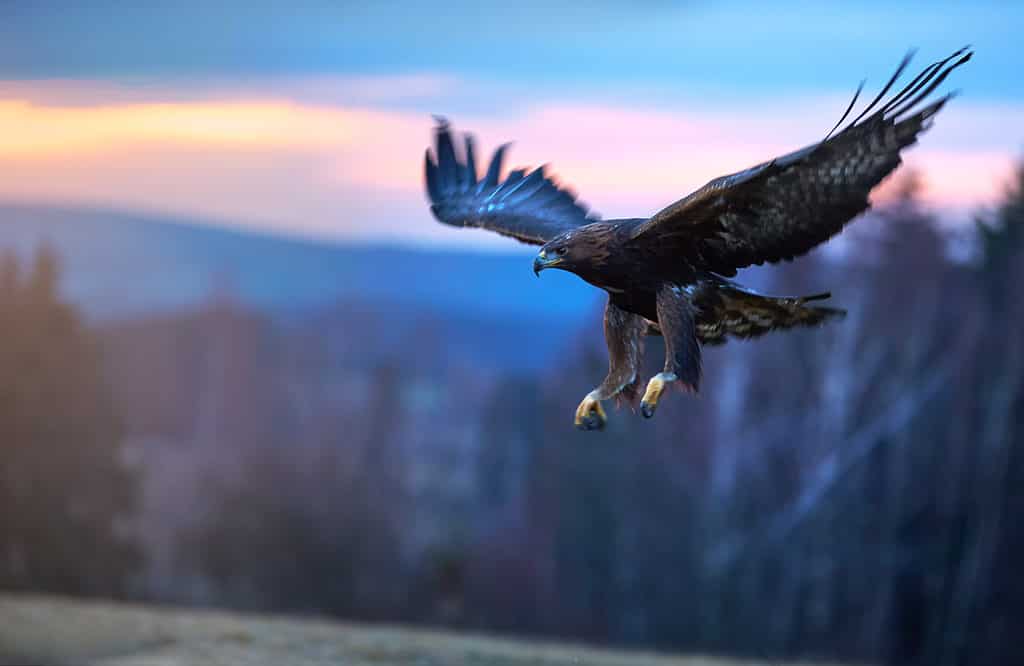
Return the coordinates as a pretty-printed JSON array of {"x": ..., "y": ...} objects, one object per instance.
[{"x": 575, "y": 250}]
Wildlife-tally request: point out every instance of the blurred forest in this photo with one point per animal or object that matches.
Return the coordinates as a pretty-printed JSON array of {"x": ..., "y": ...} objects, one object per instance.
[
  {"x": 852, "y": 492},
  {"x": 64, "y": 493}
]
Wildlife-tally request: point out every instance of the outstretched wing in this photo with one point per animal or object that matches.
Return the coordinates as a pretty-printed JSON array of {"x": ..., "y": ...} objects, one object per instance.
[
  {"x": 529, "y": 207},
  {"x": 782, "y": 208}
]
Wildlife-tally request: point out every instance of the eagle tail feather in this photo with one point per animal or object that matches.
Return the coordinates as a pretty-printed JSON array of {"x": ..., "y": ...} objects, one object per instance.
[
  {"x": 740, "y": 313},
  {"x": 823, "y": 296}
]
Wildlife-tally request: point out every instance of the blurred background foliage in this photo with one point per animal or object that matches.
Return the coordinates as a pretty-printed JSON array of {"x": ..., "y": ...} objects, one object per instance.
[{"x": 852, "y": 492}]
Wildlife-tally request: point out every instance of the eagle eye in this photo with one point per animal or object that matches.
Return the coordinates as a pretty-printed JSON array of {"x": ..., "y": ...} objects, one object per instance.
[{"x": 562, "y": 251}]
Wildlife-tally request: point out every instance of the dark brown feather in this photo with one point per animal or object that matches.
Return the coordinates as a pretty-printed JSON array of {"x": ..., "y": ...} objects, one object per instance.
[
  {"x": 530, "y": 207},
  {"x": 782, "y": 208}
]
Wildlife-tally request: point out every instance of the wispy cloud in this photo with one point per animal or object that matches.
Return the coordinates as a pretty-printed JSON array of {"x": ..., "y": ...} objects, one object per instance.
[{"x": 34, "y": 131}]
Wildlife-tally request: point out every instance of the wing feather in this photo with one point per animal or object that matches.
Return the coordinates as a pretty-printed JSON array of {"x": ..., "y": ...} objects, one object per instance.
[
  {"x": 530, "y": 207},
  {"x": 781, "y": 209}
]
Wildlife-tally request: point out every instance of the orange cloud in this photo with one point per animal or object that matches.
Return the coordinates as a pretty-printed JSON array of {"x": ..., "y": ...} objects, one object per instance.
[{"x": 33, "y": 131}]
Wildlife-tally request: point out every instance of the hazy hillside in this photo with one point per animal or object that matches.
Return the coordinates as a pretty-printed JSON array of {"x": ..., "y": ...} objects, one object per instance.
[
  {"x": 489, "y": 306},
  {"x": 121, "y": 264}
]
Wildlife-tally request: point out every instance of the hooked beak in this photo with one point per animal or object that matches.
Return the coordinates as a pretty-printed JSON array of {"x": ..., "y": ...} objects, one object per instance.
[{"x": 543, "y": 260}]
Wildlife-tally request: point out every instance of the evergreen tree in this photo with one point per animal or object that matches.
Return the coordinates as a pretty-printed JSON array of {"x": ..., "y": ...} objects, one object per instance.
[{"x": 63, "y": 484}]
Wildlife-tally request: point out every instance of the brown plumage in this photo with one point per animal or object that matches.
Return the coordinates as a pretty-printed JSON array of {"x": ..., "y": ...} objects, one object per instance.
[{"x": 667, "y": 274}]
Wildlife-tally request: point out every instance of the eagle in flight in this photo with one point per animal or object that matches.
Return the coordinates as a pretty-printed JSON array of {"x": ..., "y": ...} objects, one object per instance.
[{"x": 668, "y": 274}]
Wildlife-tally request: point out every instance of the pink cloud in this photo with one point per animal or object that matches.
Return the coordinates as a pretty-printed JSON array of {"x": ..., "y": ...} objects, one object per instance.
[{"x": 272, "y": 161}]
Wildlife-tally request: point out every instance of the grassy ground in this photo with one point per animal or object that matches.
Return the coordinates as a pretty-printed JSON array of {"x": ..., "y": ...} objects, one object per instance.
[{"x": 50, "y": 630}]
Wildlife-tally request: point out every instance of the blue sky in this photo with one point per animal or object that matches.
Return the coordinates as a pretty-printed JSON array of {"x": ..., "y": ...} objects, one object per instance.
[
  {"x": 792, "y": 46},
  {"x": 736, "y": 75}
]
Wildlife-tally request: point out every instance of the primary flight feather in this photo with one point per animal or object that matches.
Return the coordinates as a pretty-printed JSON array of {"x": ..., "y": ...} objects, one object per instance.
[{"x": 667, "y": 274}]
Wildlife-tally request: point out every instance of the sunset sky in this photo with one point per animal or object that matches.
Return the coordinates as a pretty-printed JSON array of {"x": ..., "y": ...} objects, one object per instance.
[{"x": 311, "y": 119}]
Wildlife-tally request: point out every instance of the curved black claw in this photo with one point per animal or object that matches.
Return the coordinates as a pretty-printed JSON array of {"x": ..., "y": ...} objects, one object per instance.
[
  {"x": 591, "y": 422},
  {"x": 590, "y": 415},
  {"x": 647, "y": 409}
]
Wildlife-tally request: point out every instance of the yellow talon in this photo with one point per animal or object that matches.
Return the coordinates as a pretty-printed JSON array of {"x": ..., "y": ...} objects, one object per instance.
[
  {"x": 655, "y": 388},
  {"x": 590, "y": 415}
]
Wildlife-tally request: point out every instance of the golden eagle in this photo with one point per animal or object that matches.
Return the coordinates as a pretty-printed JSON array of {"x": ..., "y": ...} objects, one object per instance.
[{"x": 667, "y": 274}]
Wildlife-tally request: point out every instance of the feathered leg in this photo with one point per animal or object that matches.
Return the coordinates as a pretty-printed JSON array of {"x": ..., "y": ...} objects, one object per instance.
[
  {"x": 682, "y": 350},
  {"x": 624, "y": 333}
]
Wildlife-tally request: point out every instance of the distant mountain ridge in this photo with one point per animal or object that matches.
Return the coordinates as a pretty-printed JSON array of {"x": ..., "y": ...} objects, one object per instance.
[
  {"x": 489, "y": 309},
  {"x": 123, "y": 264}
]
